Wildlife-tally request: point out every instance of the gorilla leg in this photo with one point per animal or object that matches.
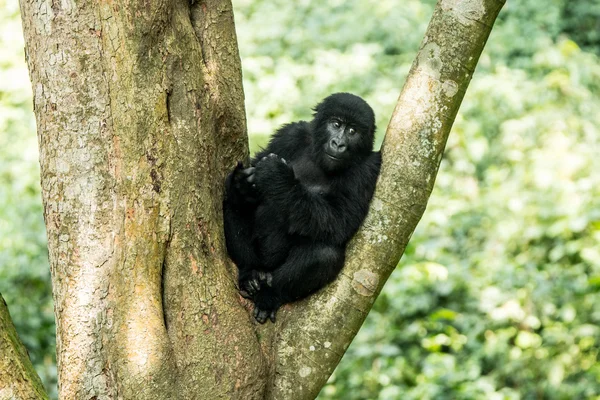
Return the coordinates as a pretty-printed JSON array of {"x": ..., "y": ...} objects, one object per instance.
[
  {"x": 238, "y": 219},
  {"x": 238, "y": 239},
  {"x": 307, "y": 269}
]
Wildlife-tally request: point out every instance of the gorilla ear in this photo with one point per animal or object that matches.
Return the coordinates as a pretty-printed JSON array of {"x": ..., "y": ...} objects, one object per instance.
[
  {"x": 320, "y": 115},
  {"x": 317, "y": 109}
]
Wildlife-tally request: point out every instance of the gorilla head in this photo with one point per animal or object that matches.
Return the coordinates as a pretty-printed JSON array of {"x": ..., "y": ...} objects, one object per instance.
[{"x": 343, "y": 131}]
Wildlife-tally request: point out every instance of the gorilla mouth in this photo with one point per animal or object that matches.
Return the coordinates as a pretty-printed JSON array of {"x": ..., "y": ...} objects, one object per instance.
[{"x": 333, "y": 157}]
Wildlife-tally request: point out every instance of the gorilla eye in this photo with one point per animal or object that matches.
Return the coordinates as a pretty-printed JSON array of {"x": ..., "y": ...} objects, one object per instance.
[
  {"x": 336, "y": 124},
  {"x": 352, "y": 131}
]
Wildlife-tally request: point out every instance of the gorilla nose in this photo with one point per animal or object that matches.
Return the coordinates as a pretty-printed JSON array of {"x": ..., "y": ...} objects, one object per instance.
[{"x": 337, "y": 145}]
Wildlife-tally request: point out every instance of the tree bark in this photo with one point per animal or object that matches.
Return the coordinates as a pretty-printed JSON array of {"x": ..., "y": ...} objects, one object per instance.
[
  {"x": 140, "y": 115},
  {"x": 139, "y": 109},
  {"x": 18, "y": 380}
]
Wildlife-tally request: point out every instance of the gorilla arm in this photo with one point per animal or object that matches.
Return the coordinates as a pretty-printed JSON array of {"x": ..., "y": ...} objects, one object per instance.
[{"x": 332, "y": 217}]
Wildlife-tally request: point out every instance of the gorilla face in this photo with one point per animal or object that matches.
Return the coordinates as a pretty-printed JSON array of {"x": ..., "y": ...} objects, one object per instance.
[
  {"x": 342, "y": 144},
  {"x": 343, "y": 131}
]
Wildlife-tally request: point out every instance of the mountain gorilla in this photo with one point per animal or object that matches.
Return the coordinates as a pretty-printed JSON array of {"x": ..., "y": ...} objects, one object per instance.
[{"x": 289, "y": 215}]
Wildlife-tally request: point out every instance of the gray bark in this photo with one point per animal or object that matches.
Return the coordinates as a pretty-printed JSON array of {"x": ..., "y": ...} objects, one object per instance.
[{"x": 18, "y": 379}]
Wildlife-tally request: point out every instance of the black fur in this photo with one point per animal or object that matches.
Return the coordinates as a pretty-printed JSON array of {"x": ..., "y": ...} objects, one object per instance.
[{"x": 289, "y": 216}]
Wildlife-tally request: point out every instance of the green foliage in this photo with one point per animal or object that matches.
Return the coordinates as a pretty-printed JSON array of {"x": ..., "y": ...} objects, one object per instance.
[
  {"x": 581, "y": 21},
  {"x": 290, "y": 66},
  {"x": 497, "y": 295}
]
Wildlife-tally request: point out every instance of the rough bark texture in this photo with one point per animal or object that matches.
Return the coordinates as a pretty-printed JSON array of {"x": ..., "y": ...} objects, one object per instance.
[
  {"x": 140, "y": 114},
  {"x": 139, "y": 109},
  {"x": 18, "y": 380}
]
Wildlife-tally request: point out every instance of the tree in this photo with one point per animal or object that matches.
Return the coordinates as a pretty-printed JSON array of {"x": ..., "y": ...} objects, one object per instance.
[
  {"x": 17, "y": 376},
  {"x": 140, "y": 115}
]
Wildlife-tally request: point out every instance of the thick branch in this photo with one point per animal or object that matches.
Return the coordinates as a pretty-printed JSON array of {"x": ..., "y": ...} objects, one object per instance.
[
  {"x": 18, "y": 379},
  {"x": 315, "y": 333},
  {"x": 140, "y": 112}
]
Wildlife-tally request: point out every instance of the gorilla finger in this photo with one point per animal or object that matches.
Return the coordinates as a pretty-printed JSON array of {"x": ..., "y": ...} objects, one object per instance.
[
  {"x": 255, "y": 285},
  {"x": 249, "y": 171},
  {"x": 269, "y": 156},
  {"x": 269, "y": 279},
  {"x": 261, "y": 316},
  {"x": 249, "y": 289},
  {"x": 272, "y": 316}
]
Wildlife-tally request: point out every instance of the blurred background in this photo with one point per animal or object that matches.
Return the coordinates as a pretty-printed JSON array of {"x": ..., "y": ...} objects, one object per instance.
[{"x": 498, "y": 293}]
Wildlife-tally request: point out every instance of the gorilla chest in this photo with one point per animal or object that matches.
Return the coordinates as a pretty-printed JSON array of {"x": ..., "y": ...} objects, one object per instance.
[{"x": 311, "y": 176}]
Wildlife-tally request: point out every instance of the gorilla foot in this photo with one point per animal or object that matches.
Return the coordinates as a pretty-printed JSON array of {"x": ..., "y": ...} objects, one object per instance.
[
  {"x": 262, "y": 315},
  {"x": 257, "y": 280},
  {"x": 266, "y": 305},
  {"x": 243, "y": 181}
]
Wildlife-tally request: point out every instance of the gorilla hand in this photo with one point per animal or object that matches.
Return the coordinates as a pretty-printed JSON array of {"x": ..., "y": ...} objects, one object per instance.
[{"x": 273, "y": 175}]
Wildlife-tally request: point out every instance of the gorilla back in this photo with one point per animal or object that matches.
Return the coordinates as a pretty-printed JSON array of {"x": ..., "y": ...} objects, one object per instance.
[{"x": 290, "y": 214}]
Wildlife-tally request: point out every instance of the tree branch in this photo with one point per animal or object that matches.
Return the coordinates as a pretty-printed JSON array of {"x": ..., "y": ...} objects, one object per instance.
[
  {"x": 314, "y": 334},
  {"x": 18, "y": 379}
]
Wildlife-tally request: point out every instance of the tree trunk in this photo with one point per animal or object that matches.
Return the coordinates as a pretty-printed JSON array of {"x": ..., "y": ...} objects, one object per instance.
[
  {"x": 18, "y": 379},
  {"x": 140, "y": 115},
  {"x": 139, "y": 110}
]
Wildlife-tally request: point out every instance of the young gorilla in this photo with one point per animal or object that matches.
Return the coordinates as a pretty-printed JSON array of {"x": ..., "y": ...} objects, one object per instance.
[{"x": 289, "y": 216}]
